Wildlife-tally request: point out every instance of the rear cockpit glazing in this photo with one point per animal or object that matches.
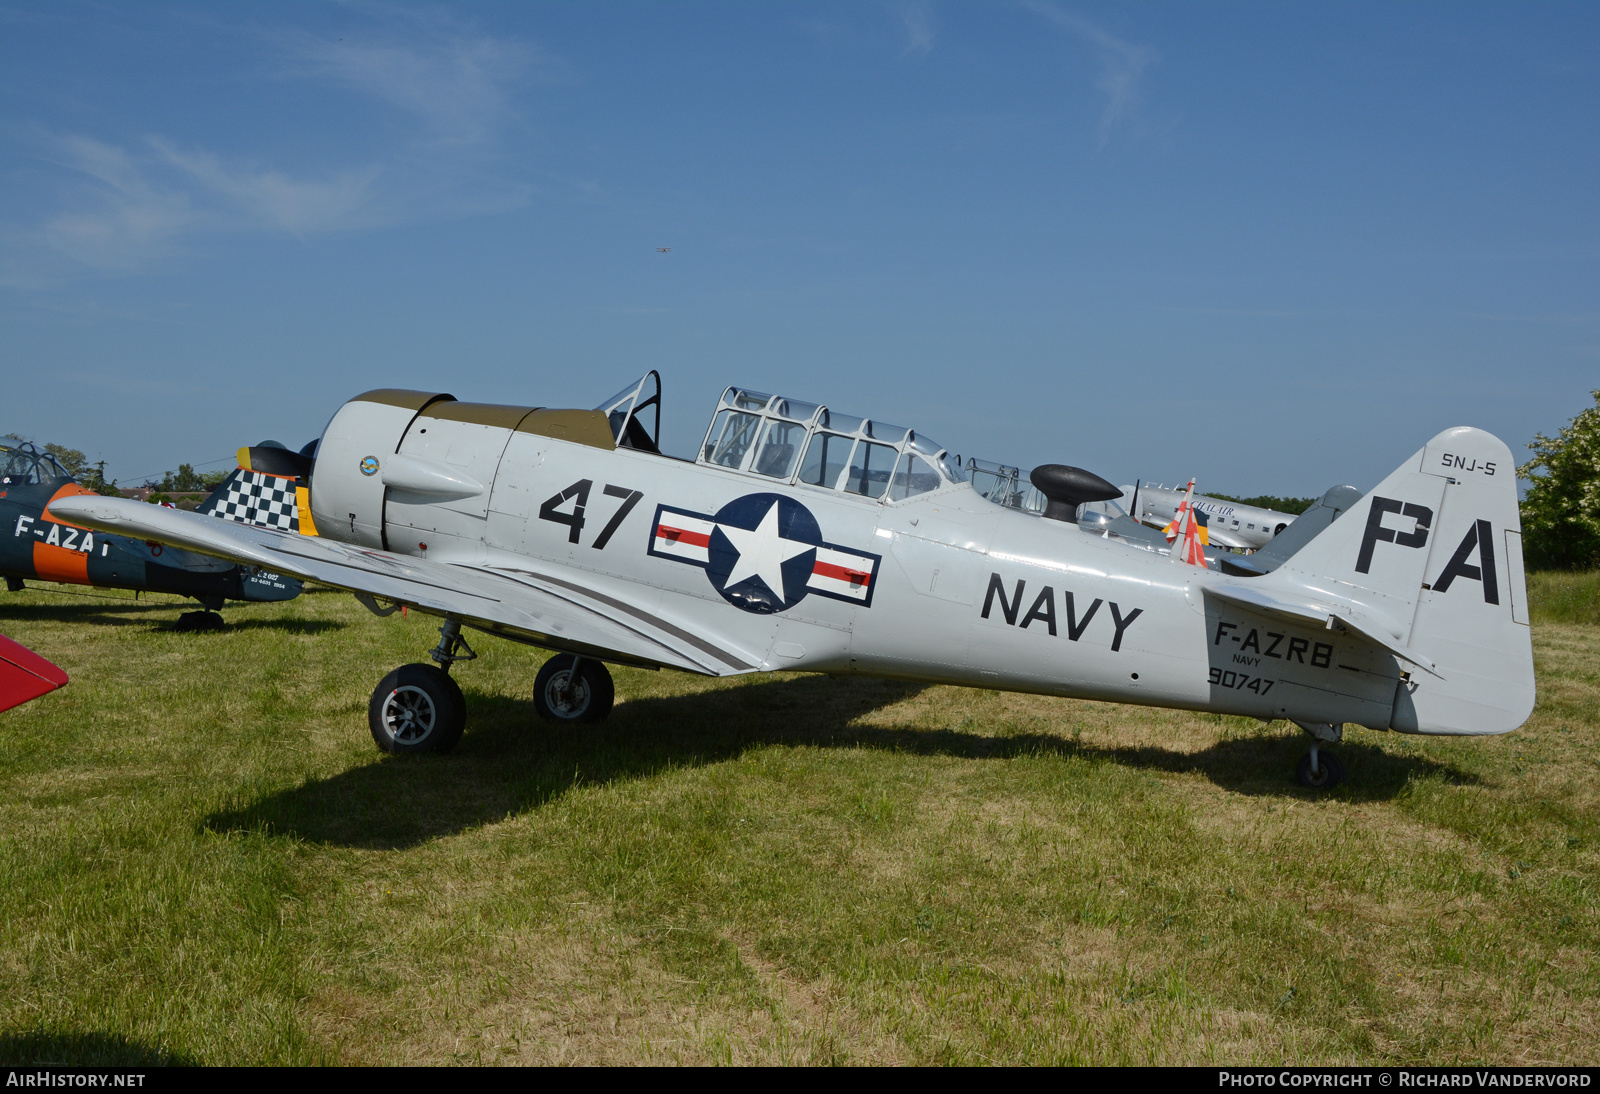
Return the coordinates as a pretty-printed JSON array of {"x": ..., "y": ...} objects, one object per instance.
[{"x": 788, "y": 440}]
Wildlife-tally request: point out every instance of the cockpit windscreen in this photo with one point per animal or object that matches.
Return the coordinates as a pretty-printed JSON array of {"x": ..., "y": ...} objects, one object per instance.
[{"x": 635, "y": 413}]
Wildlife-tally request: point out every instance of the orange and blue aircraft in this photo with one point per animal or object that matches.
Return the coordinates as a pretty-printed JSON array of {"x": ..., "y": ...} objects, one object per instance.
[{"x": 266, "y": 490}]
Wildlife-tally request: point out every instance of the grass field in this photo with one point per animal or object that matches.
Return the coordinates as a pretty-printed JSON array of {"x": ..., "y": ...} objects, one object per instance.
[{"x": 203, "y": 859}]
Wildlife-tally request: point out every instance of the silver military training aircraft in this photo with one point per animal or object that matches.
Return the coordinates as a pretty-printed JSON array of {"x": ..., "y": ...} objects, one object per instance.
[
  {"x": 801, "y": 538},
  {"x": 1228, "y": 523}
]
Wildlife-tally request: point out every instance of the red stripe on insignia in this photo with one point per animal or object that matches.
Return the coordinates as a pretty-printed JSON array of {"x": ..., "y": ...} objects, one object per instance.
[
  {"x": 856, "y": 578},
  {"x": 683, "y": 535}
]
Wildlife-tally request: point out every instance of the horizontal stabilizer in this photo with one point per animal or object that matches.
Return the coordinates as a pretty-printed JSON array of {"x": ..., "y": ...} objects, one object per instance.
[
  {"x": 1306, "y": 527},
  {"x": 273, "y": 459},
  {"x": 1326, "y": 613}
]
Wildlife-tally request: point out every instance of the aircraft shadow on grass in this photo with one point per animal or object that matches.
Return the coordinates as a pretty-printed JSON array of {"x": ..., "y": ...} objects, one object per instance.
[
  {"x": 111, "y": 613},
  {"x": 44, "y": 1049},
  {"x": 510, "y": 762},
  {"x": 133, "y": 613},
  {"x": 287, "y": 626}
]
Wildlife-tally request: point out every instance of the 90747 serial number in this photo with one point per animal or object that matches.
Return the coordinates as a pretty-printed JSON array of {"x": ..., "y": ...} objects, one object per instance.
[{"x": 1241, "y": 681}]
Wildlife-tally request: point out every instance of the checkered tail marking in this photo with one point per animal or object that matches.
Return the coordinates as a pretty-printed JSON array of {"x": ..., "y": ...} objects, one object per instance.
[{"x": 266, "y": 501}]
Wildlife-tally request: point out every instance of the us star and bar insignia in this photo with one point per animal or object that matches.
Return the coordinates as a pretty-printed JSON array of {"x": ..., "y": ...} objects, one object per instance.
[{"x": 764, "y": 553}]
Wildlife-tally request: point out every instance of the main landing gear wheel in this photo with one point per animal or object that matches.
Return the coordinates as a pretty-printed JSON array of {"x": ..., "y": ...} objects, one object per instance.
[
  {"x": 417, "y": 708},
  {"x": 1327, "y": 773},
  {"x": 573, "y": 689}
]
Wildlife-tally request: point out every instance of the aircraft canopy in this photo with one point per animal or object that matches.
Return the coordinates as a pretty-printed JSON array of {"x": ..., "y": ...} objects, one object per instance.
[
  {"x": 789, "y": 440},
  {"x": 21, "y": 462}
]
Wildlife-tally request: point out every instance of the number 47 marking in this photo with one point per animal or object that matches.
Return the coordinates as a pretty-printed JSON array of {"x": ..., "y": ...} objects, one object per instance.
[{"x": 578, "y": 494}]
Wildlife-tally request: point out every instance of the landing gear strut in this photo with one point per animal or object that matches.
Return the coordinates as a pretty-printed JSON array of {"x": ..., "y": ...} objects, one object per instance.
[
  {"x": 573, "y": 689},
  {"x": 450, "y": 642},
  {"x": 1319, "y": 770},
  {"x": 419, "y": 708}
]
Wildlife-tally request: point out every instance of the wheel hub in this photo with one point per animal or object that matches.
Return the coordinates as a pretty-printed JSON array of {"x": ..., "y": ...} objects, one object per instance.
[
  {"x": 566, "y": 695},
  {"x": 409, "y": 714}
]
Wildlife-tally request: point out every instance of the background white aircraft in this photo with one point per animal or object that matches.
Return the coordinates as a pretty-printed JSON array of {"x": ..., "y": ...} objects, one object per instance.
[{"x": 1228, "y": 523}]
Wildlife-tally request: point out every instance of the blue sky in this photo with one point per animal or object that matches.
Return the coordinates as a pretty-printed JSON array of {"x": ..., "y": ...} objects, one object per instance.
[{"x": 1274, "y": 246}]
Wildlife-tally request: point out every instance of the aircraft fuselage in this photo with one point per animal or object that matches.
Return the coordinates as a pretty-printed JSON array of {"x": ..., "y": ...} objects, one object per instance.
[{"x": 945, "y": 586}]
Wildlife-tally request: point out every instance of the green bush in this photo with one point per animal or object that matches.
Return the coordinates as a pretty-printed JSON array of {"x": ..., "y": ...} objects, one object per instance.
[{"x": 1561, "y": 511}]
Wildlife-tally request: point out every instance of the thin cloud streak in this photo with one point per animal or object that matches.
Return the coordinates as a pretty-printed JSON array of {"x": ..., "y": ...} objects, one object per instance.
[
  {"x": 123, "y": 217},
  {"x": 454, "y": 83},
  {"x": 131, "y": 207},
  {"x": 918, "y": 29},
  {"x": 120, "y": 207},
  {"x": 273, "y": 200},
  {"x": 1122, "y": 64}
]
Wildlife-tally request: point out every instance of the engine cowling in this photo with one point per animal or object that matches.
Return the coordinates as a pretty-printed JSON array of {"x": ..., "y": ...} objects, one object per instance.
[{"x": 347, "y": 488}]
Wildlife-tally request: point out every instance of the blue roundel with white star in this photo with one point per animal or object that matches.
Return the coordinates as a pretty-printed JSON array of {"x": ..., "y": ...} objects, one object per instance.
[{"x": 763, "y": 552}]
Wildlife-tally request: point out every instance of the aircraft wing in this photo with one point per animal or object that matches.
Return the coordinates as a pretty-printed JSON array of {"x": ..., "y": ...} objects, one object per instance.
[
  {"x": 550, "y": 609},
  {"x": 1221, "y": 537},
  {"x": 1307, "y": 607}
]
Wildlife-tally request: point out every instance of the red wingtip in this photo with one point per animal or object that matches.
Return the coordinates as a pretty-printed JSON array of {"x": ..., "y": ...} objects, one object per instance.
[{"x": 24, "y": 675}]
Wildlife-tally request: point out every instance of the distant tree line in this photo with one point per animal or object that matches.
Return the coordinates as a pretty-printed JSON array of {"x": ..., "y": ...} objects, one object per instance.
[
  {"x": 186, "y": 481},
  {"x": 1270, "y": 501},
  {"x": 92, "y": 476}
]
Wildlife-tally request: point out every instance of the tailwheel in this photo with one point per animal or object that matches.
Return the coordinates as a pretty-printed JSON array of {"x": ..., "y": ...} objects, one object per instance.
[
  {"x": 417, "y": 708},
  {"x": 573, "y": 689},
  {"x": 1319, "y": 770}
]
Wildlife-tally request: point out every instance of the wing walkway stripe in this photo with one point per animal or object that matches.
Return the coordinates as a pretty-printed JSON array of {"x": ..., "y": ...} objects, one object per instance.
[
  {"x": 661, "y": 624},
  {"x": 639, "y": 613},
  {"x": 343, "y": 565},
  {"x": 455, "y": 590},
  {"x": 504, "y": 575}
]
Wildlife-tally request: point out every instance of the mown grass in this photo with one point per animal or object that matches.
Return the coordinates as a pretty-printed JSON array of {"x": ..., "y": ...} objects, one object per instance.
[
  {"x": 203, "y": 859},
  {"x": 1565, "y": 597}
]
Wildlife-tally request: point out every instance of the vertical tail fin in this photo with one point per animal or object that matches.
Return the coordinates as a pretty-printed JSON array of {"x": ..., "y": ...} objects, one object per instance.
[
  {"x": 1434, "y": 553},
  {"x": 267, "y": 489}
]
